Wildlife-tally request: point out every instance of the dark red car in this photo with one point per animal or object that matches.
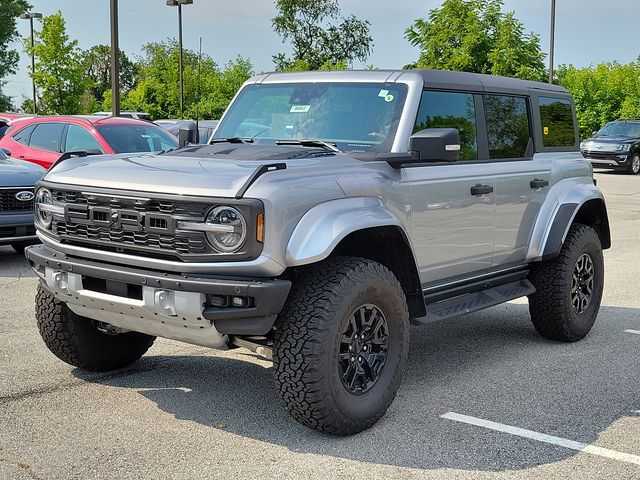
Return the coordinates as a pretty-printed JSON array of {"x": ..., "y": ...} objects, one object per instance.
[{"x": 43, "y": 140}]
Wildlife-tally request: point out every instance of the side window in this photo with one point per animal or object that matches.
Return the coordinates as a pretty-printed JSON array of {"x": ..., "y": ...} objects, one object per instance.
[
  {"x": 47, "y": 136},
  {"x": 508, "y": 128},
  {"x": 450, "y": 110},
  {"x": 80, "y": 140},
  {"x": 558, "y": 129},
  {"x": 24, "y": 135}
]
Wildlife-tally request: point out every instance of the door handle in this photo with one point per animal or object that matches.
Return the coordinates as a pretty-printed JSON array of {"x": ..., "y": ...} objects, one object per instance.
[
  {"x": 538, "y": 183},
  {"x": 481, "y": 189}
]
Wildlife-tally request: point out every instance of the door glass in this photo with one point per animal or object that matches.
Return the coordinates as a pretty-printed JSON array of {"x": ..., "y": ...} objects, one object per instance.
[
  {"x": 507, "y": 126},
  {"x": 80, "y": 140},
  {"x": 24, "y": 135},
  {"x": 47, "y": 136},
  {"x": 450, "y": 110}
]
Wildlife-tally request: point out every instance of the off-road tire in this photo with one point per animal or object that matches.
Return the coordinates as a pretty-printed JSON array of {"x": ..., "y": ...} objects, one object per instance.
[
  {"x": 634, "y": 165},
  {"x": 552, "y": 312},
  {"x": 307, "y": 344},
  {"x": 77, "y": 341}
]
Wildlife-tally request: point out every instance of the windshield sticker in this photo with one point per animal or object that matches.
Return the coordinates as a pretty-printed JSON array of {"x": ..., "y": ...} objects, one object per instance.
[
  {"x": 300, "y": 108},
  {"x": 546, "y": 130},
  {"x": 388, "y": 98},
  {"x": 383, "y": 93}
]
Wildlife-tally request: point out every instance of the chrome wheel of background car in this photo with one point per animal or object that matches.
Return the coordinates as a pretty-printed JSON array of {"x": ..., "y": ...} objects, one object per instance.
[
  {"x": 582, "y": 283},
  {"x": 363, "y": 349},
  {"x": 634, "y": 168}
]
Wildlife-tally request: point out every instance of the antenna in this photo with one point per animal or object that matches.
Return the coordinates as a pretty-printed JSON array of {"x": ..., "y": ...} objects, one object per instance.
[{"x": 199, "y": 91}]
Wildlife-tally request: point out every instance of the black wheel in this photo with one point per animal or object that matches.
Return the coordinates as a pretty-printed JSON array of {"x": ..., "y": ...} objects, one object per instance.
[
  {"x": 569, "y": 287},
  {"x": 634, "y": 166},
  {"x": 85, "y": 343},
  {"x": 341, "y": 345}
]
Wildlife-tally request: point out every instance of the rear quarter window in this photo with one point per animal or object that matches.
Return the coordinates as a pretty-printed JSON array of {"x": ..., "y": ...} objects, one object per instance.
[{"x": 558, "y": 129}]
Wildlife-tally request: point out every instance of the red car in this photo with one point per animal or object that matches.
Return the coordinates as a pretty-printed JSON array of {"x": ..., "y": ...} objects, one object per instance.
[{"x": 43, "y": 140}]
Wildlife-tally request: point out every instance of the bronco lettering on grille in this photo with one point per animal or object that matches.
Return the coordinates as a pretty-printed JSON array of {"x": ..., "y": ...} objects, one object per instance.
[{"x": 120, "y": 219}]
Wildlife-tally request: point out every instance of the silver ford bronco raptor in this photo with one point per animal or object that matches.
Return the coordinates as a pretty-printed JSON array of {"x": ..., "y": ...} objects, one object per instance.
[{"x": 328, "y": 212}]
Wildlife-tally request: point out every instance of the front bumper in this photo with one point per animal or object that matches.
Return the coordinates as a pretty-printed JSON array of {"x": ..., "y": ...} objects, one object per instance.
[
  {"x": 173, "y": 306},
  {"x": 18, "y": 227},
  {"x": 607, "y": 159}
]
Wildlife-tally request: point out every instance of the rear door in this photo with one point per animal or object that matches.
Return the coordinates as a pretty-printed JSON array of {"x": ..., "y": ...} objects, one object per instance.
[{"x": 453, "y": 204}]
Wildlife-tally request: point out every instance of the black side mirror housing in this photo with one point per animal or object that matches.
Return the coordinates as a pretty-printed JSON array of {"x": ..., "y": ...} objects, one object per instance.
[
  {"x": 187, "y": 134},
  {"x": 435, "y": 145}
]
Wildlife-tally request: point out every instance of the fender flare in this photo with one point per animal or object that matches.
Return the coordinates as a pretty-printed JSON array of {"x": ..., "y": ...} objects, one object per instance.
[
  {"x": 559, "y": 212},
  {"x": 322, "y": 228}
]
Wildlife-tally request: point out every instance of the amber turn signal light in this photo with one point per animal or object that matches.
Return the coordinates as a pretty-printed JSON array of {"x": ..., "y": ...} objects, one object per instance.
[{"x": 260, "y": 227}]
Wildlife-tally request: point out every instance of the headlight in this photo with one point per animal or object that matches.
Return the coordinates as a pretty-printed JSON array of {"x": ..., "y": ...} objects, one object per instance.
[
  {"x": 44, "y": 210},
  {"x": 231, "y": 229},
  {"x": 583, "y": 145},
  {"x": 624, "y": 147}
]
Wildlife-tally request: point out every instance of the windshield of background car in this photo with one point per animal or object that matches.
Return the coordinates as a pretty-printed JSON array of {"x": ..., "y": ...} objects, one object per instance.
[
  {"x": 356, "y": 117},
  {"x": 137, "y": 138},
  {"x": 620, "y": 129}
]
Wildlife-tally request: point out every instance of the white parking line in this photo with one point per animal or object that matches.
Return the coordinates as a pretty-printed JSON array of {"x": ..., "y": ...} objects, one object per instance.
[
  {"x": 636, "y": 332},
  {"x": 541, "y": 437}
]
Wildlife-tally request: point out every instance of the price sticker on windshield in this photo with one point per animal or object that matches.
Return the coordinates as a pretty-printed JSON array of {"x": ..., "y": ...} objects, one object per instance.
[
  {"x": 546, "y": 130},
  {"x": 300, "y": 108}
]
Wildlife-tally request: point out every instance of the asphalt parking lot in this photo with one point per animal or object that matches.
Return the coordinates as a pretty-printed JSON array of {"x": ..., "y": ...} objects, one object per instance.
[{"x": 483, "y": 397}]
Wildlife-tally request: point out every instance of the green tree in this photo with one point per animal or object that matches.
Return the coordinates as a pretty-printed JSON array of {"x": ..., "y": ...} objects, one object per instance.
[
  {"x": 602, "y": 93},
  {"x": 319, "y": 36},
  {"x": 97, "y": 65},
  {"x": 476, "y": 36},
  {"x": 59, "y": 75},
  {"x": 10, "y": 10},
  {"x": 158, "y": 91}
]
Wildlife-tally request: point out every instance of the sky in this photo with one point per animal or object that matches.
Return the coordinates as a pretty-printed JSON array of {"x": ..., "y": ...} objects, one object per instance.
[{"x": 588, "y": 31}]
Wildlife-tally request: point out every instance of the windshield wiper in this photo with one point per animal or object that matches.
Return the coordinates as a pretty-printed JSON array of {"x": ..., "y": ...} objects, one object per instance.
[
  {"x": 310, "y": 143},
  {"x": 230, "y": 140}
]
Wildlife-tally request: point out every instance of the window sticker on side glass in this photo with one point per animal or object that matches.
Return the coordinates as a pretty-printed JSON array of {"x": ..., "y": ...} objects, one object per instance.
[{"x": 300, "y": 108}]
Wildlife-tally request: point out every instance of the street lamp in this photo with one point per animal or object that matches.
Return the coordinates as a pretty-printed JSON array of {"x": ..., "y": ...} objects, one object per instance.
[
  {"x": 179, "y": 4},
  {"x": 115, "y": 60},
  {"x": 30, "y": 16},
  {"x": 553, "y": 34}
]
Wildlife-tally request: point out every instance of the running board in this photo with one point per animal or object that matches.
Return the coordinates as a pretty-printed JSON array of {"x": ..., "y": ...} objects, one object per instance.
[{"x": 474, "y": 301}]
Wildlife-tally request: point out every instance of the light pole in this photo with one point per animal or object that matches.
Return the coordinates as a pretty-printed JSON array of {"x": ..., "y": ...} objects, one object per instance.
[
  {"x": 179, "y": 4},
  {"x": 553, "y": 34},
  {"x": 115, "y": 61},
  {"x": 30, "y": 16}
]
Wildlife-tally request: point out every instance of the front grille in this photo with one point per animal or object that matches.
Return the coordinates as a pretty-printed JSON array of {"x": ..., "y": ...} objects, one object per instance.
[
  {"x": 135, "y": 225},
  {"x": 9, "y": 202}
]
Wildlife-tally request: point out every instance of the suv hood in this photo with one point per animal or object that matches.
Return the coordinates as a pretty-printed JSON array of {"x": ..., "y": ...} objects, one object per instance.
[
  {"x": 19, "y": 173},
  {"x": 616, "y": 140},
  {"x": 211, "y": 170}
]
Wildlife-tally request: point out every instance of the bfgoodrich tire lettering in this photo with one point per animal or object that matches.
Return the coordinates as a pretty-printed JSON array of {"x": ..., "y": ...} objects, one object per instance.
[
  {"x": 556, "y": 310},
  {"x": 77, "y": 341},
  {"x": 307, "y": 346}
]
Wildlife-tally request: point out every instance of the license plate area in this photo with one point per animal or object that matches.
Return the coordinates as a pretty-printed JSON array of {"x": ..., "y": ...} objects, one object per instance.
[{"x": 111, "y": 287}]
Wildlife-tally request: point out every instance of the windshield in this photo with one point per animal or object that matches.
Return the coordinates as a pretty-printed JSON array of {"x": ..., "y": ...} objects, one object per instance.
[
  {"x": 620, "y": 129},
  {"x": 356, "y": 117},
  {"x": 137, "y": 138}
]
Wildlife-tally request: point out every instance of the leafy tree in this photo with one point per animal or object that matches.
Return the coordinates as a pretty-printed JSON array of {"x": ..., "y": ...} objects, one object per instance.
[
  {"x": 476, "y": 36},
  {"x": 158, "y": 91},
  {"x": 59, "y": 73},
  {"x": 97, "y": 65},
  {"x": 317, "y": 40},
  {"x": 603, "y": 92},
  {"x": 10, "y": 10}
]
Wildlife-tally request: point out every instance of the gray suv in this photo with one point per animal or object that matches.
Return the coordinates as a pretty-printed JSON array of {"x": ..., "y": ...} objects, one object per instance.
[{"x": 329, "y": 211}]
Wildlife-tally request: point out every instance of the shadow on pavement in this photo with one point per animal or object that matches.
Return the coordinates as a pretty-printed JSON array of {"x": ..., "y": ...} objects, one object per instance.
[
  {"x": 491, "y": 365},
  {"x": 13, "y": 264}
]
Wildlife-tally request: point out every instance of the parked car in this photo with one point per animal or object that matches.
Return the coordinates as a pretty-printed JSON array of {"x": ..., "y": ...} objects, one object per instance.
[
  {"x": 7, "y": 118},
  {"x": 17, "y": 180},
  {"x": 205, "y": 128},
  {"x": 126, "y": 114},
  {"x": 615, "y": 146},
  {"x": 42, "y": 140},
  {"x": 329, "y": 209}
]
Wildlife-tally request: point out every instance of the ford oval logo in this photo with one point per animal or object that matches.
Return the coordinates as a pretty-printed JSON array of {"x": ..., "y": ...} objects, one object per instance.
[{"x": 24, "y": 196}]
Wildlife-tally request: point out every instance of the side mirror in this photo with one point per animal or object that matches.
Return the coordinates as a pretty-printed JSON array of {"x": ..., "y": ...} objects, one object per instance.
[
  {"x": 187, "y": 134},
  {"x": 6, "y": 151},
  {"x": 435, "y": 145},
  {"x": 594, "y": 133}
]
